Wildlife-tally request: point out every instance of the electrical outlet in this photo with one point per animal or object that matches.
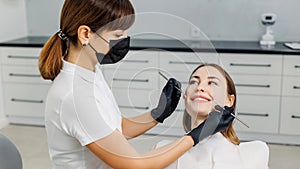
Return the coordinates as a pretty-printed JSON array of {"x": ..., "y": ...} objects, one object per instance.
[{"x": 195, "y": 32}]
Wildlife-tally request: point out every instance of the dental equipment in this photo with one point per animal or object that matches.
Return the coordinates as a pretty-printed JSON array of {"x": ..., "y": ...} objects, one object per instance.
[
  {"x": 162, "y": 75},
  {"x": 218, "y": 107}
]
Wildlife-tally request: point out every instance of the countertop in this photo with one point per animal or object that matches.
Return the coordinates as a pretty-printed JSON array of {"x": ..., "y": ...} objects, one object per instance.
[{"x": 176, "y": 45}]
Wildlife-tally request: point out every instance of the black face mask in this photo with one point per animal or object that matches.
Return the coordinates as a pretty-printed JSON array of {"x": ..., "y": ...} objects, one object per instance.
[{"x": 118, "y": 50}]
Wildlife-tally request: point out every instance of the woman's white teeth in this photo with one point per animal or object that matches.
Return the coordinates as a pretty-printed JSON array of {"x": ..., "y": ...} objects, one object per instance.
[{"x": 200, "y": 99}]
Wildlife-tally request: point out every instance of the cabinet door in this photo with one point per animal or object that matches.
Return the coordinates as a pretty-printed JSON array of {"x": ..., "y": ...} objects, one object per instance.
[
  {"x": 132, "y": 79},
  {"x": 134, "y": 102},
  {"x": 257, "y": 84},
  {"x": 185, "y": 61},
  {"x": 175, "y": 120},
  {"x": 136, "y": 60},
  {"x": 20, "y": 56},
  {"x": 290, "y": 116},
  {"x": 291, "y": 86},
  {"x": 182, "y": 77},
  {"x": 23, "y": 100},
  {"x": 261, "y": 113},
  {"x": 22, "y": 74},
  {"x": 291, "y": 65},
  {"x": 252, "y": 64}
]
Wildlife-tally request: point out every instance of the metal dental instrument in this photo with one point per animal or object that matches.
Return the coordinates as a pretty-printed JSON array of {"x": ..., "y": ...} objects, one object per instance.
[
  {"x": 162, "y": 75},
  {"x": 218, "y": 107}
]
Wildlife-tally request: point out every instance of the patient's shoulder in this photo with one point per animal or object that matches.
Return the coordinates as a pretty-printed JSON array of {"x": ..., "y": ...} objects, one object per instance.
[
  {"x": 255, "y": 147},
  {"x": 255, "y": 152}
]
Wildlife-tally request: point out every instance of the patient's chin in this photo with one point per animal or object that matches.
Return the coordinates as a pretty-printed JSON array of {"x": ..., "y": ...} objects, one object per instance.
[{"x": 202, "y": 114}]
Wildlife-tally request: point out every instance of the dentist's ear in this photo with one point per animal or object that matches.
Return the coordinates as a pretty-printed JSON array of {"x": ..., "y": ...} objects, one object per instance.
[{"x": 84, "y": 33}]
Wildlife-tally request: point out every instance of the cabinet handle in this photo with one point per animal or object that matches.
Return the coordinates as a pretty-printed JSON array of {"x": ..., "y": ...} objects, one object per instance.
[
  {"x": 297, "y": 66},
  {"x": 179, "y": 110},
  {"x": 295, "y": 117},
  {"x": 23, "y": 75},
  {"x": 137, "y": 61},
  {"x": 132, "y": 80},
  {"x": 296, "y": 87},
  {"x": 183, "y": 63},
  {"x": 27, "y": 101},
  {"x": 250, "y": 65},
  {"x": 135, "y": 107},
  {"x": 253, "y": 85},
  {"x": 23, "y": 57},
  {"x": 253, "y": 114}
]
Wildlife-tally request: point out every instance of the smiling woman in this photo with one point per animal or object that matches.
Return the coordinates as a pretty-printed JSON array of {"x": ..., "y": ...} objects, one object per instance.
[
  {"x": 215, "y": 87},
  {"x": 210, "y": 85}
]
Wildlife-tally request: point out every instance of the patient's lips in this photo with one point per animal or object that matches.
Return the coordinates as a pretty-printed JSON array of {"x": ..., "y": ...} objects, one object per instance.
[{"x": 200, "y": 98}]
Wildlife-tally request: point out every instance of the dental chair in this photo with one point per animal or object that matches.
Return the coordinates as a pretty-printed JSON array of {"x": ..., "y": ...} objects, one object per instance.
[{"x": 10, "y": 157}]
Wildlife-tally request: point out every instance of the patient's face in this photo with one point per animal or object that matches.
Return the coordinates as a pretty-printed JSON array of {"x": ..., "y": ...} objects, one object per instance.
[{"x": 207, "y": 87}]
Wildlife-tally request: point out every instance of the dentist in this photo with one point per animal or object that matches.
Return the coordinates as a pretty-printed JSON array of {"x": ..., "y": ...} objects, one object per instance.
[{"x": 84, "y": 125}]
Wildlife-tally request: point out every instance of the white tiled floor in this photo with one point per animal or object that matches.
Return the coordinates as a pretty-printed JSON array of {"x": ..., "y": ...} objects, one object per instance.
[{"x": 32, "y": 143}]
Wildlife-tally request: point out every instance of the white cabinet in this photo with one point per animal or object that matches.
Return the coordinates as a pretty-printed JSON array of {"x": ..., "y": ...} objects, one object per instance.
[
  {"x": 259, "y": 64},
  {"x": 258, "y": 83},
  {"x": 259, "y": 112},
  {"x": 290, "y": 103},
  {"x": 290, "y": 117},
  {"x": 23, "y": 87},
  {"x": 134, "y": 82}
]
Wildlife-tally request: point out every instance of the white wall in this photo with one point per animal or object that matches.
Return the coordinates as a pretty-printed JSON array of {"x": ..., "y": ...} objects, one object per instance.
[
  {"x": 218, "y": 19},
  {"x": 43, "y": 16},
  {"x": 223, "y": 19},
  {"x": 12, "y": 19},
  {"x": 13, "y": 25}
]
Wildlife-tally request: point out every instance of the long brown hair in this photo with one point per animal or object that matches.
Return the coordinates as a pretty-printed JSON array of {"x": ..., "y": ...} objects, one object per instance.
[
  {"x": 229, "y": 133},
  {"x": 97, "y": 14}
]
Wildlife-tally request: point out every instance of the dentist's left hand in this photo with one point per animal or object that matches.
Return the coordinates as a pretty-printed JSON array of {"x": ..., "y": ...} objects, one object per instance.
[{"x": 168, "y": 100}]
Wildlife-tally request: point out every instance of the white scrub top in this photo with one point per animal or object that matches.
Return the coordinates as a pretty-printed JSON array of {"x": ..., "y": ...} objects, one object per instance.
[
  {"x": 80, "y": 109},
  {"x": 216, "y": 152}
]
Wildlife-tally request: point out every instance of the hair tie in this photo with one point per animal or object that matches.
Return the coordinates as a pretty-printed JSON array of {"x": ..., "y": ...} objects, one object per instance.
[{"x": 61, "y": 35}]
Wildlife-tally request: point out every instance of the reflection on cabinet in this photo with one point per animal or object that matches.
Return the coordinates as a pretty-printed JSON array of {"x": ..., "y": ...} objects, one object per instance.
[{"x": 24, "y": 89}]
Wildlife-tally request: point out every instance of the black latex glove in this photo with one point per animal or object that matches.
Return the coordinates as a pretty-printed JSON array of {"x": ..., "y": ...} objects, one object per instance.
[
  {"x": 218, "y": 120},
  {"x": 168, "y": 100}
]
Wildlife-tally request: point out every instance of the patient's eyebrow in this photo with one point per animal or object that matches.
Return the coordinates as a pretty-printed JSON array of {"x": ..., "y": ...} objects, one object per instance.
[
  {"x": 213, "y": 77},
  {"x": 196, "y": 77}
]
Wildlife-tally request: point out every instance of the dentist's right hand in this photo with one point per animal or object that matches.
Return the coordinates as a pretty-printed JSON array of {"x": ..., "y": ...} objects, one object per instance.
[
  {"x": 168, "y": 100},
  {"x": 218, "y": 120}
]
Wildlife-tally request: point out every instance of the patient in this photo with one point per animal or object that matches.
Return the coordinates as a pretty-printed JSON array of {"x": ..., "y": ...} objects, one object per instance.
[{"x": 209, "y": 85}]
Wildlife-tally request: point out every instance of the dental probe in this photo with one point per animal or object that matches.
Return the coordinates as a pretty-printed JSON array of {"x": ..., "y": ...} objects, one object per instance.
[
  {"x": 168, "y": 79},
  {"x": 218, "y": 107}
]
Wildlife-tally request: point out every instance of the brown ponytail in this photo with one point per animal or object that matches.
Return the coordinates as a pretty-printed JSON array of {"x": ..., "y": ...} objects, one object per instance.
[
  {"x": 50, "y": 61},
  {"x": 97, "y": 14}
]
